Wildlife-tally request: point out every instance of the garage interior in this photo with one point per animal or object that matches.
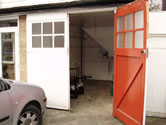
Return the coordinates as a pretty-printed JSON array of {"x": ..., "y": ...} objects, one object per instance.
[{"x": 91, "y": 50}]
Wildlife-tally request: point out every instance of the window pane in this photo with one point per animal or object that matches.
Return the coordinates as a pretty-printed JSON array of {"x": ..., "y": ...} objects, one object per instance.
[
  {"x": 128, "y": 40},
  {"x": 47, "y": 41},
  {"x": 139, "y": 19},
  {"x": 36, "y": 41},
  {"x": 8, "y": 40},
  {"x": 8, "y": 71},
  {"x": 8, "y": 23},
  {"x": 59, "y": 27},
  {"x": 120, "y": 24},
  {"x": 47, "y": 28},
  {"x": 120, "y": 41},
  {"x": 139, "y": 39},
  {"x": 59, "y": 41},
  {"x": 36, "y": 28},
  {"x": 129, "y": 22}
]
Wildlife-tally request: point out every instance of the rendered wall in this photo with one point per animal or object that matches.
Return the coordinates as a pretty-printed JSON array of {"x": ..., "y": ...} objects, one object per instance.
[{"x": 156, "y": 80}]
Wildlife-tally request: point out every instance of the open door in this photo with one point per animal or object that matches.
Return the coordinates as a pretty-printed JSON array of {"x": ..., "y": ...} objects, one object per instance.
[{"x": 130, "y": 60}]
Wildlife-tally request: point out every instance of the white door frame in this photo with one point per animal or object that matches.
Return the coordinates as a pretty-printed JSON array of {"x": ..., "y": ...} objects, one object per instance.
[{"x": 16, "y": 52}]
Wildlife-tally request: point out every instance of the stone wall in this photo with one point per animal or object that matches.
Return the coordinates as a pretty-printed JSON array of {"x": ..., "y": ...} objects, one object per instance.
[{"x": 23, "y": 51}]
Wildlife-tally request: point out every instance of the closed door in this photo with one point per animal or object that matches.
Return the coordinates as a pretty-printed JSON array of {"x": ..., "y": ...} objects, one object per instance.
[
  {"x": 48, "y": 57},
  {"x": 130, "y": 60}
]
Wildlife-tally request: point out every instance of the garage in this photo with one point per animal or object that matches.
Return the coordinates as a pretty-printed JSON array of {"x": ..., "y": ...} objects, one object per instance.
[
  {"x": 102, "y": 47},
  {"x": 81, "y": 44}
]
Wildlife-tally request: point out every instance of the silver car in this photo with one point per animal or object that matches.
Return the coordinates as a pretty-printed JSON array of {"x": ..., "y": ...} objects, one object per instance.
[{"x": 21, "y": 104}]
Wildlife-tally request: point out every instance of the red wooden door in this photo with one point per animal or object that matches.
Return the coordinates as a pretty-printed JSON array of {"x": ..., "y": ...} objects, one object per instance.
[{"x": 130, "y": 59}]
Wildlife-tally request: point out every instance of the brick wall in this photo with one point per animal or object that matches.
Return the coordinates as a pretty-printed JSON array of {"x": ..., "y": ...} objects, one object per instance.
[{"x": 23, "y": 51}]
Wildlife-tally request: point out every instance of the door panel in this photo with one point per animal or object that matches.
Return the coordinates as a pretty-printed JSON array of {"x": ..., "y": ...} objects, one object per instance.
[
  {"x": 48, "y": 57},
  {"x": 130, "y": 60}
]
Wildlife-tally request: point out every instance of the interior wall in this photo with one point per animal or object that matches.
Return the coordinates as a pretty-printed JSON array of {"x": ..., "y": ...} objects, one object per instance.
[
  {"x": 96, "y": 32},
  {"x": 75, "y": 46},
  {"x": 94, "y": 63}
]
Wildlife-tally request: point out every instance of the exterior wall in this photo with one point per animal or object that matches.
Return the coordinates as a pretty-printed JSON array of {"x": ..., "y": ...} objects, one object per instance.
[
  {"x": 23, "y": 48},
  {"x": 18, "y": 3},
  {"x": 156, "y": 86}
]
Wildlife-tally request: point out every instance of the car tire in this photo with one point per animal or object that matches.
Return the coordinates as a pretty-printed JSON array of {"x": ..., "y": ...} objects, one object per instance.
[{"x": 30, "y": 115}]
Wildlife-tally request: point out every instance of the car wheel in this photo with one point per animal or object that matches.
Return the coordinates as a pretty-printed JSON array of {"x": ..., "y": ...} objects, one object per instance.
[{"x": 31, "y": 115}]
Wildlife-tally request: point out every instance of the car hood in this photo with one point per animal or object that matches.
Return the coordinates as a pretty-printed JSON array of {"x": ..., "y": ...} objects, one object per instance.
[{"x": 25, "y": 90}]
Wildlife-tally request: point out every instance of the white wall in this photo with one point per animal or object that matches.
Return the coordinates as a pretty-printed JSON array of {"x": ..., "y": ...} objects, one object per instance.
[
  {"x": 94, "y": 64},
  {"x": 18, "y": 3},
  {"x": 156, "y": 88}
]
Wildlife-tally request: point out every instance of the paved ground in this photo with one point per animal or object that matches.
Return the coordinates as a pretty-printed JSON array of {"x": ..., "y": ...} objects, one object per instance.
[
  {"x": 155, "y": 121},
  {"x": 92, "y": 108}
]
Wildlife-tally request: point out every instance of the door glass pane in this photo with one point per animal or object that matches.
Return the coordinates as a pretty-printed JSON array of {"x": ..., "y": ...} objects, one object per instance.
[
  {"x": 36, "y": 41},
  {"x": 139, "y": 19},
  {"x": 128, "y": 40},
  {"x": 58, "y": 27},
  {"x": 36, "y": 28},
  {"x": 8, "y": 46},
  {"x": 129, "y": 22},
  {"x": 120, "y": 24},
  {"x": 59, "y": 41},
  {"x": 47, "y": 42},
  {"x": 139, "y": 39},
  {"x": 120, "y": 41},
  {"x": 47, "y": 28},
  {"x": 8, "y": 63}
]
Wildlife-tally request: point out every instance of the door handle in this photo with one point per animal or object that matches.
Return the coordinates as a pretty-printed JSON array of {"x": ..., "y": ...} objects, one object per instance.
[{"x": 143, "y": 51}]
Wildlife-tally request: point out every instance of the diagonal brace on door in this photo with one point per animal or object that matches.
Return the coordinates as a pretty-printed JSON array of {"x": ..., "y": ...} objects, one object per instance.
[{"x": 131, "y": 81}]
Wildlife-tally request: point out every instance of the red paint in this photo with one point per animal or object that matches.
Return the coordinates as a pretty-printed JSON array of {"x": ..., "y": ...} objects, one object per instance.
[{"x": 129, "y": 70}]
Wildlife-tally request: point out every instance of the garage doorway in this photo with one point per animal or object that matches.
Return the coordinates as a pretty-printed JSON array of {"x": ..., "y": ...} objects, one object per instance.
[{"x": 92, "y": 58}]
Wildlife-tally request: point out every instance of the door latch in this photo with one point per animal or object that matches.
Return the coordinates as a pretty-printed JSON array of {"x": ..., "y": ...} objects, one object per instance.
[{"x": 145, "y": 52}]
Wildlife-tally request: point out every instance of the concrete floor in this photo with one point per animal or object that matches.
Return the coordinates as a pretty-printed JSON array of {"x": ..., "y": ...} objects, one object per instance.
[{"x": 92, "y": 108}]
